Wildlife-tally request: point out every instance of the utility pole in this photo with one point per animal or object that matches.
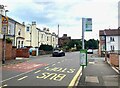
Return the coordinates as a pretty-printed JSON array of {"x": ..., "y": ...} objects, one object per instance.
[
  {"x": 83, "y": 47},
  {"x": 58, "y": 35}
]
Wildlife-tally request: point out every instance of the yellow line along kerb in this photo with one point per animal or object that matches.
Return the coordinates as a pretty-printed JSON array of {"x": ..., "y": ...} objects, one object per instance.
[{"x": 72, "y": 83}]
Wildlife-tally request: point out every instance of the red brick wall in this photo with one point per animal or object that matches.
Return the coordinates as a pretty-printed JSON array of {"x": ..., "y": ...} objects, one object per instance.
[
  {"x": 13, "y": 53},
  {"x": 0, "y": 49},
  {"x": 8, "y": 52},
  {"x": 114, "y": 59},
  {"x": 22, "y": 53}
]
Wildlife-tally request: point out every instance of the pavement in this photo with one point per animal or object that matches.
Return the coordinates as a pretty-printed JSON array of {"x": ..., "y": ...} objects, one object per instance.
[
  {"x": 99, "y": 74},
  {"x": 14, "y": 61},
  {"x": 20, "y": 60}
]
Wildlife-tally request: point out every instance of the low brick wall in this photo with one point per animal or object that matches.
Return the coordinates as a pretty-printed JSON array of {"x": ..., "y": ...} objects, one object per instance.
[
  {"x": 8, "y": 52},
  {"x": 13, "y": 52},
  {"x": 24, "y": 52},
  {"x": 114, "y": 59}
]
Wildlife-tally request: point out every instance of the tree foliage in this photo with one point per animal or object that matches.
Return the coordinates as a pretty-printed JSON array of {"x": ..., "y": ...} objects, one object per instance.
[
  {"x": 8, "y": 40},
  {"x": 90, "y": 44},
  {"x": 46, "y": 47}
]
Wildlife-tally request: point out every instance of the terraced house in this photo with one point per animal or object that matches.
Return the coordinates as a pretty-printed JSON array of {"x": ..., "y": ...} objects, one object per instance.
[
  {"x": 35, "y": 36},
  {"x": 28, "y": 35}
]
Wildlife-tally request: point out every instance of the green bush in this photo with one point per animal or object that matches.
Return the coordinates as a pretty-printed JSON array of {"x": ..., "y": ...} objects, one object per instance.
[
  {"x": 8, "y": 40},
  {"x": 46, "y": 47}
]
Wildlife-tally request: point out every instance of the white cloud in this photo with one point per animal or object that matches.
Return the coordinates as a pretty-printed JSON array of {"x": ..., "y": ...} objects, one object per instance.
[{"x": 68, "y": 14}]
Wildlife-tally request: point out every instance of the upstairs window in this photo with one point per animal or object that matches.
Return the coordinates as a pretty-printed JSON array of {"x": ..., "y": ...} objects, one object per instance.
[
  {"x": 47, "y": 38},
  {"x": 19, "y": 32},
  {"x": 112, "y": 39},
  {"x": 42, "y": 36},
  {"x": 53, "y": 40},
  {"x": 28, "y": 29}
]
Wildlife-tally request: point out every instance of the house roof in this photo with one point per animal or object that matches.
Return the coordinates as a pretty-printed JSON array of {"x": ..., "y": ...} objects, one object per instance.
[{"x": 109, "y": 32}]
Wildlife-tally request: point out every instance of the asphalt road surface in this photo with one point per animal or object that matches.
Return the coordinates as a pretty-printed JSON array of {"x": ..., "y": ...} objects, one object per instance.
[{"x": 42, "y": 71}]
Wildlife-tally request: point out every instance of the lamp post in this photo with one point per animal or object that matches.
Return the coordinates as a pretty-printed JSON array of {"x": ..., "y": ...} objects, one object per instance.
[
  {"x": 105, "y": 45},
  {"x": 58, "y": 37},
  {"x": 4, "y": 39}
]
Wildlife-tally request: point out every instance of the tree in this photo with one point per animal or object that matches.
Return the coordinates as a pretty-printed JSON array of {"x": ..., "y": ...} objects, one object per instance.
[
  {"x": 91, "y": 44},
  {"x": 46, "y": 47},
  {"x": 73, "y": 43}
]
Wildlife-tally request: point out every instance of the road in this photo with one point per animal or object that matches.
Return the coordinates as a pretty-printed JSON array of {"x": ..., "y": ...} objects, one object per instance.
[{"x": 42, "y": 71}]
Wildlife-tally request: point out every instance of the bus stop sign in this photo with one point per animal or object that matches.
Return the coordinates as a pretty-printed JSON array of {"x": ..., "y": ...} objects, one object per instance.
[{"x": 83, "y": 57}]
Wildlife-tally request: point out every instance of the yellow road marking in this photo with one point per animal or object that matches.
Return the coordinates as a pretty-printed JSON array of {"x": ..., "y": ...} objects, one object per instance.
[
  {"x": 22, "y": 78},
  {"x": 72, "y": 83},
  {"x": 37, "y": 71}
]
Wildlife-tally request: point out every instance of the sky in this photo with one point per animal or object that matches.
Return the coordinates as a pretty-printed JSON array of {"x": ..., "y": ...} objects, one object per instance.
[{"x": 67, "y": 13}]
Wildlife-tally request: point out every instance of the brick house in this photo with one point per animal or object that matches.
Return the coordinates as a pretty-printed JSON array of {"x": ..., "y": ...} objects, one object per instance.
[
  {"x": 64, "y": 40},
  {"x": 110, "y": 43},
  {"x": 109, "y": 40}
]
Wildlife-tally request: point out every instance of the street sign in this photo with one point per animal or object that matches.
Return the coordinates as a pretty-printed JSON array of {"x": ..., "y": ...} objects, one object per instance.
[
  {"x": 4, "y": 30},
  {"x": 87, "y": 24},
  {"x": 4, "y": 20},
  {"x": 4, "y": 25},
  {"x": 83, "y": 57}
]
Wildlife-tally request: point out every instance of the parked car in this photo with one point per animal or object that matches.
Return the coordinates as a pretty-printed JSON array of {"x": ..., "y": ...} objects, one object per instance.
[
  {"x": 58, "y": 53},
  {"x": 89, "y": 51}
]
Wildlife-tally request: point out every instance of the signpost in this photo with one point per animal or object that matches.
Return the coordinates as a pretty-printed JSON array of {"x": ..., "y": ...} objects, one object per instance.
[
  {"x": 4, "y": 31},
  {"x": 86, "y": 26}
]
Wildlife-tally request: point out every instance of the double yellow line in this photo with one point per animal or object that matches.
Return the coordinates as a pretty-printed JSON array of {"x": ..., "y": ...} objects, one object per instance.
[{"x": 73, "y": 82}]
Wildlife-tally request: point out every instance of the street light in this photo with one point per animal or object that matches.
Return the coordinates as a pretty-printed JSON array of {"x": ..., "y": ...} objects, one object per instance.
[
  {"x": 105, "y": 45},
  {"x": 6, "y": 12},
  {"x": 58, "y": 37},
  {"x": 4, "y": 39}
]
